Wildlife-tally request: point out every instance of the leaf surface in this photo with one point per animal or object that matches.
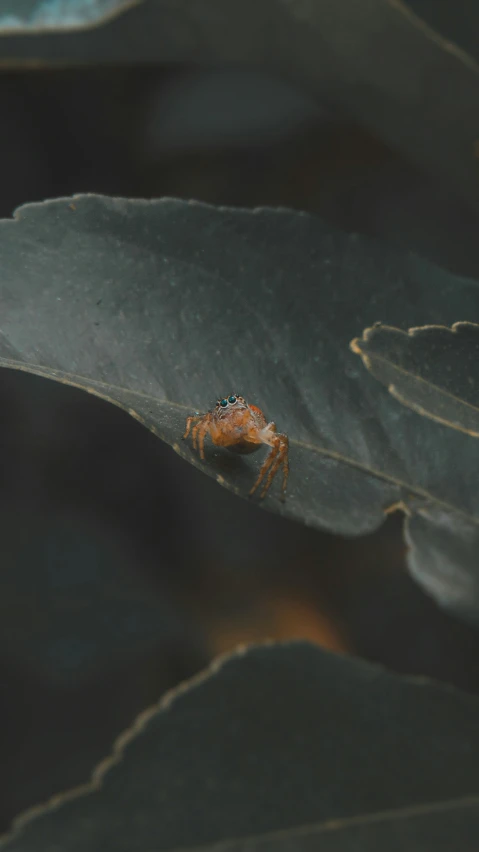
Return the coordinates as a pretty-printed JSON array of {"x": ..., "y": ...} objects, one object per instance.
[
  {"x": 160, "y": 307},
  {"x": 284, "y": 738},
  {"x": 434, "y": 371},
  {"x": 39, "y": 15}
]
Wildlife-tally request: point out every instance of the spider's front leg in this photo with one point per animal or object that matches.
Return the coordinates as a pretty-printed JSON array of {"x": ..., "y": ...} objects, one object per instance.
[
  {"x": 199, "y": 434},
  {"x": 200, "y": 429},
  {"x": 264, "y": 468},
  {"x": 281, "y": 457},
  {"x": 189, "y": 422},
  {"x": 278, "y": 455}
]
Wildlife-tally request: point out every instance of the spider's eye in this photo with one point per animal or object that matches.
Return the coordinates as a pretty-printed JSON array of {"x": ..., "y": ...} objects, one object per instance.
[
  {"x": 231, "y": 399},
  {"x": 223, "y": 403}
]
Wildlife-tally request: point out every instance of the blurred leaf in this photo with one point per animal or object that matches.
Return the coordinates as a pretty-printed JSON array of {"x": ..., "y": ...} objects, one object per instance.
[
  {"x": 457, "y": 22},
  {"x": 272, "y": 739},
  {"x": 433, "y": 370},
  {"x": 162, "y": 306},
  {"x": 39, "y": 15},
  {"x": 440, "y": 827},
  {"x": 443, "y": 557},
  {"x": 344, "y": 56}
]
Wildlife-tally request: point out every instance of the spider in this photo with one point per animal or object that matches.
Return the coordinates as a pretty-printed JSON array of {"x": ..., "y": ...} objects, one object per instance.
[{"x": 242, "y": 428}]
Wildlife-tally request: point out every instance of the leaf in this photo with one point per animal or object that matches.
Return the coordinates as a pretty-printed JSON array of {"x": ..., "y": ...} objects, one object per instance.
[
  {"x": 432, "y": 370},
  {"x": 438, "y": 827},
  {"x": 284, "y": 738},
  {"x": 335, "y": 51},
  {"x": 161, "y": 306},
  {"x": 444, "y": 18},
  {"x": 39, "y": 15},
  {"x": 443, "y": 558}
]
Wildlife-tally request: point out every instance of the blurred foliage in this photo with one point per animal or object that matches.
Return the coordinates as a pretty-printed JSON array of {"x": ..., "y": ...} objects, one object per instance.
[
  {"x": 39, "y": 15},
  {"x": 368, "y": 118},
  {"x": 277, "y": 738}
]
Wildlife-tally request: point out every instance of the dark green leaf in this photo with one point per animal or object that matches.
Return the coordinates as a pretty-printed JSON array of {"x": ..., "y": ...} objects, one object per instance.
[
  {"x": 161, "y": 307},
  {"x": 440, "y": 827},
  {"x": 343, "y": 55},
  {"x": 274, "y": 739},
  {"x": 443, "y": 558},
  {"x": 38, "y": 15},
  {"x": 433, "y": 370},
  {"x": 456, "y": 22}
]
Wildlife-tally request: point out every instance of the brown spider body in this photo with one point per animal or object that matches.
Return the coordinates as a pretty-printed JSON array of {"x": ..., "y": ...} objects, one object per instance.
[{"x": 242, "y": 428}]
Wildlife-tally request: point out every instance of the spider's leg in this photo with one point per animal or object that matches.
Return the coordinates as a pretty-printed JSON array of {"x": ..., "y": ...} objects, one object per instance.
[
  {"x": 281, "y": 458},
  {"x": 271, "y": 476},
  {"x": 189, "y": 423},
  {"x": 199, "y": 432},
  {"x": 266, "y": 465},
  {"x": 202, "y": 431},
  {"x": 277, "y": 456},
  {"x": 194, "y": 435}
]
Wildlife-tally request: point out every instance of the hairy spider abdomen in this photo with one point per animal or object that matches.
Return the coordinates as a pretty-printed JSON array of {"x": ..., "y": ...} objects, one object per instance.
[{"x": 244, "y": 447}]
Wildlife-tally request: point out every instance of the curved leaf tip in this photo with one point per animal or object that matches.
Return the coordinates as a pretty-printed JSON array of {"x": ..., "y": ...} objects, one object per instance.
[{"x": 432, "y": 369}]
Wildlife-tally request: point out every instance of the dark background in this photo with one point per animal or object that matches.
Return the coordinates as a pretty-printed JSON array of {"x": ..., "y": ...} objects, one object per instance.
[{"x": 82, "y": 484}]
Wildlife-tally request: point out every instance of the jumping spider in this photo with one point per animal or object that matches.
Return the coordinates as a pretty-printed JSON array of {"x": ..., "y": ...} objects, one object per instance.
[{"x": 242, "y": 428}]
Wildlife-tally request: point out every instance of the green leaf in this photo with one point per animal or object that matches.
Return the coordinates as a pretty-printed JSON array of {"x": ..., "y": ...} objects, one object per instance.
[
  {"x": 18, "y": 16},
  {"x": 443, "y": 558},
  {"x": 341, "y": 55},
  {"x": 160, "y": 307},
  {"x": 432, "y": 370},
  {"x": 284, "y": 738},
  {"x": 440, "y": 827}
]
